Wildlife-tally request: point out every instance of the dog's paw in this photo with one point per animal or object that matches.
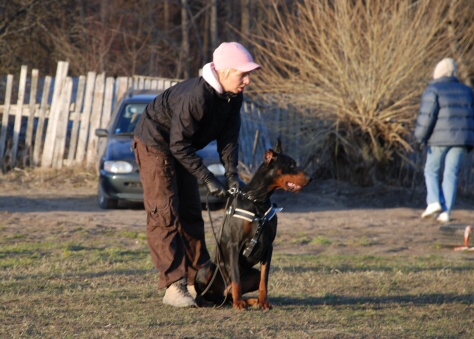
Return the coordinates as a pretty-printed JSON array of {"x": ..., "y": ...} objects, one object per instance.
[
  {"x": 261, "y": 304},
  {"x": 239, "y": 304},
  {"x": 265, "y": 305}
]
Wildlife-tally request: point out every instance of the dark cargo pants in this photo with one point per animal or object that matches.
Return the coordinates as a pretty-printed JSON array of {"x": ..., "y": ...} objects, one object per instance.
[{"x": 175, "y": 228}]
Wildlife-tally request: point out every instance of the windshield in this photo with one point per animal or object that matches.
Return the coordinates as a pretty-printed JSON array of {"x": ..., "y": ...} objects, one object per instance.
[{"x": 128, "y": 118}]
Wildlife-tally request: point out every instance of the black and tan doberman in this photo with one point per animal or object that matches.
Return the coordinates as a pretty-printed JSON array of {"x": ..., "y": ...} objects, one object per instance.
[{"x": 247, "y": 235}]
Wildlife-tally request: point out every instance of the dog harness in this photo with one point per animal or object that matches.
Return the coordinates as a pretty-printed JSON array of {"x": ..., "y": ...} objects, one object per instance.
[{"x": 252, "y": 217}]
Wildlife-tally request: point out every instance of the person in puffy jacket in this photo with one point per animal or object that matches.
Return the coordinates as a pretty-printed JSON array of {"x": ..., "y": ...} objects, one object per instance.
[
  {"x": 183, "y": 119},
  {"x": 445, "y": 126}
]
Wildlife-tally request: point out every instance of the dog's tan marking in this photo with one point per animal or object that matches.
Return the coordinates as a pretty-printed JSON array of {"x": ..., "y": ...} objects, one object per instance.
[
  {"x": 247, "y": 228},
  {"x": 238, "y": 302}
]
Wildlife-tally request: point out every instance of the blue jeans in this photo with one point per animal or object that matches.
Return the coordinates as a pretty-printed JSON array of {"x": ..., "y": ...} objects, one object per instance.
[{"x": 444, "y": 193}]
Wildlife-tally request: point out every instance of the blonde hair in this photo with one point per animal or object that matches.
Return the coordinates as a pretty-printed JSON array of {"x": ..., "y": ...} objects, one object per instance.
[{"x": 224, "y": 73}]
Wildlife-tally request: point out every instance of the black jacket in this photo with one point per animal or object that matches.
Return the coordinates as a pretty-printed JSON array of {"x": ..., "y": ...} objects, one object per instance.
[
  {"x": 446, "y": 115},
  {"x": 188, "y": 116}
]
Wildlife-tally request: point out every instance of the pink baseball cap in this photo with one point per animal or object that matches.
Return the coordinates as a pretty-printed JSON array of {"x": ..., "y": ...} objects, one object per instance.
[{"x": 233, "y": 55}]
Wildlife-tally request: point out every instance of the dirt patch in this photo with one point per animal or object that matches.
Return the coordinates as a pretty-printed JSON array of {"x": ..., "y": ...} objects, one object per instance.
[{"x": 326, "y": 218}]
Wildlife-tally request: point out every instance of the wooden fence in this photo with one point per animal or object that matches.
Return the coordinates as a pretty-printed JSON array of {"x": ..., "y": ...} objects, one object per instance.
[
  {"x": 61, "y": 116},
  {"x": 53, "y": 122}
]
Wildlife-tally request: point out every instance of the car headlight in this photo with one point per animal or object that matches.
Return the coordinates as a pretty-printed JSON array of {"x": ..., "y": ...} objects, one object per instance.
[
  {"x": 216, "y": 169},
  {"x": 118, "y": 167}
]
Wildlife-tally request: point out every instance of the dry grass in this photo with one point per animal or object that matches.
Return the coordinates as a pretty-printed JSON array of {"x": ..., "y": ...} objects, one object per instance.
[
  {"x": 31, "y": 178},
  {"x": 88, "y": 281},
  {"x": 91, "y": 277}
]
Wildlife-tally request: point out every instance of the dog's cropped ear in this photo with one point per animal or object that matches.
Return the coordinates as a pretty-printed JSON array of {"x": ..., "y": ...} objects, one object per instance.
[
  {"x": 278, "y": 148},
  {"x": 269, "y": 155}
]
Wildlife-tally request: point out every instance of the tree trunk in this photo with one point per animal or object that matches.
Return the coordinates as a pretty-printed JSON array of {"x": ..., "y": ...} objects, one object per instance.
[
  {"x": 463, "y": 72},
  {"x": 245, "y": 18},
  {"x": 104, "y": 9},
  {"x": 166, "y": 15},
  {"x": 205, "y": 37},
  {"x": 214, "y": 37},
  {"x": 183, "y": 66},
  {"x": 229, "y": 20}
]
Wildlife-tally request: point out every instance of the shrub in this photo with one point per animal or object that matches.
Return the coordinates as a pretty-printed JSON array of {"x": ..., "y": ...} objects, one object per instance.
[{"x": 355, "y": 71}]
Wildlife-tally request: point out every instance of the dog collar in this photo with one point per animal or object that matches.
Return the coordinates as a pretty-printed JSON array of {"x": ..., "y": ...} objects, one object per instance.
[
  {"x": 235, "y": 192},
  {"x": 252, "y": 217}
]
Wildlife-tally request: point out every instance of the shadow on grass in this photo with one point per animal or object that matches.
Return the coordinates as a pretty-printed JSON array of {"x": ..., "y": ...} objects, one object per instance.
[
  {"x": 335, "y": 300},
  {"x": 85, "y": 275},
  {"x": 369, "y": 268},
  {"x": 24, "y": 204}
]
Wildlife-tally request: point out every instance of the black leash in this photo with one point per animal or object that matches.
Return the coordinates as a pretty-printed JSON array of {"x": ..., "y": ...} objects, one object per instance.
[{"x": 233, "y": 193}]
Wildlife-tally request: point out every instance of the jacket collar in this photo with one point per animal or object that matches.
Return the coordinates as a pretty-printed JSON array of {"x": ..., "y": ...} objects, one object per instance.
[
  {"x": 444, "y": 79},
  {"x": 209, "y": 74}
]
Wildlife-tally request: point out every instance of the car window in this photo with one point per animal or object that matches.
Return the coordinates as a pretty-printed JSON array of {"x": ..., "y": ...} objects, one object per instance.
[{"x": 128, "y": 118}]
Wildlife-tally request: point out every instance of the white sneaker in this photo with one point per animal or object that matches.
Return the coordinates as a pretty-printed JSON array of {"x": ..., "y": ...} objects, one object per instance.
[
  {"x": 431, "y": 210},
  {"x": 443, "y": 217},
  {"x": 177, "y": 295},
  {"x": 192, "y": 291}
]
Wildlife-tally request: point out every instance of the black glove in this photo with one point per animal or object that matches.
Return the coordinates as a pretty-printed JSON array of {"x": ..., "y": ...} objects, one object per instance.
[
  {"x": 233, "y": 181},
  {"x": 214, "y": 186}
]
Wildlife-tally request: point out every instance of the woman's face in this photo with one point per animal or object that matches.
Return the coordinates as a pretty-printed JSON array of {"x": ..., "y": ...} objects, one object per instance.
[{"x": 234, "y": 81}]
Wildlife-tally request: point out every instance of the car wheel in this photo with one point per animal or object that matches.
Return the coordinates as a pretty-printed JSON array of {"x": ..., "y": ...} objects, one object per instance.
[{"x": 105, "y": 202}]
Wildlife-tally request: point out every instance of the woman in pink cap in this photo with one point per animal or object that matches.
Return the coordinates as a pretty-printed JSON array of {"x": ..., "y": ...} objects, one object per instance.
[{"x": 180, "y": 121}]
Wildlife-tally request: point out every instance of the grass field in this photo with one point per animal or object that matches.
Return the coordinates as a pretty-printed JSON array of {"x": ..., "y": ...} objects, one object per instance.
[{"x": 84, "y": 284}]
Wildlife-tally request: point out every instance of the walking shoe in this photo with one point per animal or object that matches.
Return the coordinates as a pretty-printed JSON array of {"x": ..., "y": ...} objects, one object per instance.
[
  {"x": 443, "y": 217},
  {"x": 432, "y": 210},
  {"x": 177, "y": 295},
  {"x": 192, "y": 291}
]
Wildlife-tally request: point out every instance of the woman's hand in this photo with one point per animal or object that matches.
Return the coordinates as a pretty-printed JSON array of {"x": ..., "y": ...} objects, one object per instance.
[{"x": 214, "y": 186}]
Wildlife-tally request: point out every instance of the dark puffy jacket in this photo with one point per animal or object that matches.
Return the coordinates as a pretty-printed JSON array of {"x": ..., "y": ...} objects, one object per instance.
[
  {"x": 446, "y": 116},
  {"x": 188, "y": 116}
]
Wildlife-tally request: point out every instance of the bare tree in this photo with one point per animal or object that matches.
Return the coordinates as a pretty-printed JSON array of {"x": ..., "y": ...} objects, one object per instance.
[
  {"x": 135, "y": 43},
  {"x": 359, "y": 65},
  {"x": 163, "y": 38},
  {"x": 245, "y": 17},
  {"x": 183, "y": 67},
  {"x": 86, "y": 46},
  {"x": 460, "y": 21},
  {"x": 20, "y": 40},
  {"x": 213, "y": 26}
]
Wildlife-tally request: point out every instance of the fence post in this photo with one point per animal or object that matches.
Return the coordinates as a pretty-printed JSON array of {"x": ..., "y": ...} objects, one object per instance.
[
  {"x": 161, "y": 84},
  {"x": 31, "y": 116},
  {"x": 122, "y": 85},
  {"x": 108, "y": 100},
  {"x": 6, "y": 115},
  {"x": 48, "y": 150},
  {"x": 18, "y": 115},
  {"x": 41, "y": 119},
  {"x": 76, "y": 121},
  {"x": 266, "y": 143},
  {"x": 95, "y": 119},
  {"x": 62, "y": 124},
  {"x": 244, "y": 141},
  {"x": 85, "y": 117}
]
